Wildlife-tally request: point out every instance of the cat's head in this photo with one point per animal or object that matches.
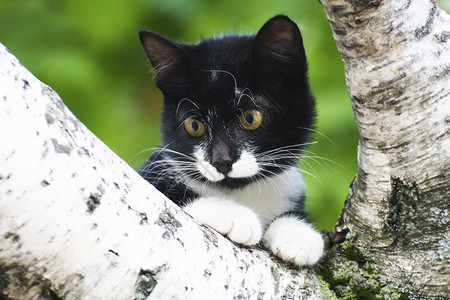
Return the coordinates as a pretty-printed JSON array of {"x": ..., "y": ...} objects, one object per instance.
[{"x": 236, "y": 108}]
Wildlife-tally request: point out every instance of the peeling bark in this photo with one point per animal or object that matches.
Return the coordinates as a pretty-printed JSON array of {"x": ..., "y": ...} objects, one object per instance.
[
  {"x": 397, "y": 65},
  {"x": 76, "y": 222}
]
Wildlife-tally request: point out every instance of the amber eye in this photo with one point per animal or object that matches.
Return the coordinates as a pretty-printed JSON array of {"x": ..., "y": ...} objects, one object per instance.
[
  {"x": 251, "y": 119},
  {"x": 194, "y": 127}
]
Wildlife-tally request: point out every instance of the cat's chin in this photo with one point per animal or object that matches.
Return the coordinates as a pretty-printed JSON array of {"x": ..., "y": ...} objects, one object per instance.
[
  {"x": 235, "y": 183},
  {"x": 229, "y": 182}
]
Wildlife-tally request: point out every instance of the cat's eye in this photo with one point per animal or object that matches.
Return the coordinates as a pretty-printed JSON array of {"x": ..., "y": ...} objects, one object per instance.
[
  {"x": 251, "y": 119},
  {"x": 194, "y": 127}
]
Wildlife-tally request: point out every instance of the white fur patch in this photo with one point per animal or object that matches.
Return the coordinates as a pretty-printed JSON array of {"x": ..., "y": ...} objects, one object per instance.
[
  {"x": 239, "y": 223},
  {"x": 294, "y": 240},
  {"x": 267, "y": 197},
  {"x": 246, "y": 166},
  {"x": 205, "y": 168}
]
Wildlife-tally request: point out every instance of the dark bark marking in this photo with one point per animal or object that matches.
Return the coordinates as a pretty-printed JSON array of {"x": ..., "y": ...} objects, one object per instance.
[
  {"x": 366, "y": 3},
  {"x": 340, "y": 31},
  {"x": 93, "y": 202},
  {"x": 26, "y": 84},
  {"x": 444, "y": 37},
  {"x": 16, "y": 278},
  {"x": 426, "y": 29},
  {"x": 61, "y": 148},
  {"x": 210, "y": 239},
  {"x": 113, "y": 252},
  {"x": 401, "y": 220},
  {"x": 13, "y": 236},
  {"x": 167, "y": 220},
  {"x": 146, "y": 282},
  {"x": 49, "y": 118},
  {"x": 337, "y": 8}
]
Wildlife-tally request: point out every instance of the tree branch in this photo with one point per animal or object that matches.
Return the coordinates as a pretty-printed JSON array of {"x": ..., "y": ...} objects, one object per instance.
[{"x": 77, "y": 222}]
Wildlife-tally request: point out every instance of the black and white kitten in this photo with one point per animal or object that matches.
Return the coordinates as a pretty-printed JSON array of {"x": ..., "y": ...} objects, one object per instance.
[{"x": 236, "y": 117}]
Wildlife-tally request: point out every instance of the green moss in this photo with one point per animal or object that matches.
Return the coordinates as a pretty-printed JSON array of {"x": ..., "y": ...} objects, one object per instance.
[
  {"x": 325, "y": 291},
  {"x": 349, "y": 274},
  {"x": 353, "y": 253}
]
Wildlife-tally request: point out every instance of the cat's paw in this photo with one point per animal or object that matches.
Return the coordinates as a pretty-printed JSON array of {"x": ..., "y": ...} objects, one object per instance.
[
  {"x": 294, "y": 240},
  {"x": 239, "y": 223}
]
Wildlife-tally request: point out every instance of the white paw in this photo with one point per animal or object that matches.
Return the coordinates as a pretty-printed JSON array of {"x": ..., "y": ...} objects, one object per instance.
[
  {"x": 239, "y": 223},
  {"x": 294, "y": 240}
]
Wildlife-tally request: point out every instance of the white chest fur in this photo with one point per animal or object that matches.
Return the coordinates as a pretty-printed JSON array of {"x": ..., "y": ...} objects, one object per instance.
[{"x": 268, "y": 197}]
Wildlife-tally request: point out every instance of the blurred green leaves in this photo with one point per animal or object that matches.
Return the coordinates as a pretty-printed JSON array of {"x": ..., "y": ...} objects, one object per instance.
[{"x": 89, "y": 52}]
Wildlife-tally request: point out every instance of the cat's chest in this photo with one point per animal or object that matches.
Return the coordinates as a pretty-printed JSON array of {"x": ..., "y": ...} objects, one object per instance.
[{"x": 268, "y": 197}]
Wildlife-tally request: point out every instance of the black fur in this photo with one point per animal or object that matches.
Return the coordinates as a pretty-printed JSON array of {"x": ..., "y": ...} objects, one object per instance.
[{"x": 199, "y": 81}]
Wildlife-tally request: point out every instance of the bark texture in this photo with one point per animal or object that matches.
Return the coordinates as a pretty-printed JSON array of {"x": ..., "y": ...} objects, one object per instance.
[
  {"x": 76, "y": 222},
  {"x": 395, "y": 223}
]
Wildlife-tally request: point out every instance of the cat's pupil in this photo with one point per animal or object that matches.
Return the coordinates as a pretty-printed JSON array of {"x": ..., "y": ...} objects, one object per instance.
[
  {"x": 249, "y": 118},
  {"x": 195, "y": 125}
]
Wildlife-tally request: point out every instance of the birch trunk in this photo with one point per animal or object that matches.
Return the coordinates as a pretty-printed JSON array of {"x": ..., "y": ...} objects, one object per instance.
[
  {"x": 396, "y": 217},
  {"x": 76, "y": 222}
]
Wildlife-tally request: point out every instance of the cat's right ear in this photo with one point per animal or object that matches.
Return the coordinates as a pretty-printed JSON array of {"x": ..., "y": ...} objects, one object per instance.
[
  {"x": 279, "y": 44},
  {"x": 167, "y": 58}
]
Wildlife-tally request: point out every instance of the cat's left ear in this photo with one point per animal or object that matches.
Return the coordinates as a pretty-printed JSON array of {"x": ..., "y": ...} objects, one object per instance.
[
  {"x": 279, "y": 43},
  {"x": 167, "y": 58}
]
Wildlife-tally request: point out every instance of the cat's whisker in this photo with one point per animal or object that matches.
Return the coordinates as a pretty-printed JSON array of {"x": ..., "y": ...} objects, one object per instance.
[
  {"x": 178, "y": 153},
  {"x": 285, "y": 166},
  {"x": 243, "y": 94},
  {"x": 272, "y": 182},
  {"x": 147, "y": 150},
  {"x": 327, "y": 161},
  {"x": 192, "y": 113},
  {"x": 295, "y": 147},
  {"x": 141, "y": 152},
  {"x": 229, "y": 73},
  {"x": 188, "y": 100},
  {"x": 318, "y": 132},
  {"x": 305, "y": 163},
  {"x": 305, "y": 158}
]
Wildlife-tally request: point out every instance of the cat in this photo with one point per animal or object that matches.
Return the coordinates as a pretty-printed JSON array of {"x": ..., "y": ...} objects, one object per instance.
[{"x": 237, "y": 116}]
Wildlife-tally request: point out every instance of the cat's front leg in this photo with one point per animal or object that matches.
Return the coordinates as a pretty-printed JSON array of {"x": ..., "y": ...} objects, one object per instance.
[
  {"x": 239, "y": 223},
  {"x": 294, "y": 240}
]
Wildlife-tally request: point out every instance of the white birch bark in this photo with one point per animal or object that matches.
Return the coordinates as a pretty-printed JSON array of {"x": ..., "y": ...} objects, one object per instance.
[
  {"x": 397, "y": 64},
  {"x": 76, "y": 222}
]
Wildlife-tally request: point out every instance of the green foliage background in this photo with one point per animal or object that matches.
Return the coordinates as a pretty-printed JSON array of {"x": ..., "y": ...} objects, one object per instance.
[{"x": 89, "y": 52}]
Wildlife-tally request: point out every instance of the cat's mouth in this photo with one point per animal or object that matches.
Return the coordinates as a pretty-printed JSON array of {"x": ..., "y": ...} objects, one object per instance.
[{"x": 246, "y": 166}]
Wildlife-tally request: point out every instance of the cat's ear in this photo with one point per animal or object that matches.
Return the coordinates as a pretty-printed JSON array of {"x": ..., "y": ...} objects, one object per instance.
[
  {"x": 279, "y": 43},
  {"x": 167, "y": 58}
]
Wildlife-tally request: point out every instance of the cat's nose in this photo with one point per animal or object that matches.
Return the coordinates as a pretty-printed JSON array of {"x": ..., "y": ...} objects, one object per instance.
[
  {"x": 223, "y": 165},
  {"x": 221, "y": 156}
]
